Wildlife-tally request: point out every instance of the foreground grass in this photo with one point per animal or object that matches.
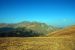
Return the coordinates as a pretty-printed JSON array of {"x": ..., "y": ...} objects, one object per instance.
[{"x": 37, "y": 43}]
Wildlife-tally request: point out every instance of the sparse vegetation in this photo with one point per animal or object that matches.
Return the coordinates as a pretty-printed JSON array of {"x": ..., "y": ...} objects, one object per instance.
[
  {"x": 37, "y": 43},
  {"x": 24, "y": 37}
]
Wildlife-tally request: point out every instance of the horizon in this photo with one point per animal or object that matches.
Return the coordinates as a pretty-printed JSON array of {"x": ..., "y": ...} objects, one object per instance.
[{"x": 52, "y": 12}]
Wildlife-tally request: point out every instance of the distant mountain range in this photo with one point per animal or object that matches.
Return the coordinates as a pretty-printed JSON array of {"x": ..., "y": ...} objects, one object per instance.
[{"x": 26, "y": 29}]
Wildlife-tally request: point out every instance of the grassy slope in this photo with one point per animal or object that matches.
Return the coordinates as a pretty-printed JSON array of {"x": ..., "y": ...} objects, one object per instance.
[
  {"x": 70, "y": 31},
  {"x": 59, "y": 40},
  {"x": 37, "y": 43}
]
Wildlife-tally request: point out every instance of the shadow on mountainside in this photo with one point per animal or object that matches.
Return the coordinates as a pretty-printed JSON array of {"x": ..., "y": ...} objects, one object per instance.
[{"x": 17, "y": 32}]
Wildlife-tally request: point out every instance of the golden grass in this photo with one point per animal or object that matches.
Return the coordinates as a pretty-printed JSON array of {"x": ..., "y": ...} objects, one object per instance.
[
  {"x": 37, "y": 43},
  {"x": 70, "y": 31},
  {"x": 59, "y": 40}
]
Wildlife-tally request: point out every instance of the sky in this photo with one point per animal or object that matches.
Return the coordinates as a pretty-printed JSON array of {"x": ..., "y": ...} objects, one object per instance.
[{"x": 53, "y": 12}]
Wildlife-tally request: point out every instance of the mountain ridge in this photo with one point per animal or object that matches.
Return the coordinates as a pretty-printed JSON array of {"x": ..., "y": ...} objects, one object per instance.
[
  {"x": 34, "y": 27},
  {"x": 68, "y": 31}
]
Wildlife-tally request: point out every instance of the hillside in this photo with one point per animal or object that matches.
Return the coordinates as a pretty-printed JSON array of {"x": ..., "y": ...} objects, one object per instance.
[
  {"x": 59, "y": 40},
  {"x": 68, "y": 31},
  {"x": 37, "y": 43},
  {"x": 26, "y": 29}
]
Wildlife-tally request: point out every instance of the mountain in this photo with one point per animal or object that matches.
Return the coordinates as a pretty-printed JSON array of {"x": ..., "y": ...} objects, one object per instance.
[
  {"x": 29, "y": 28},
  {"x": 66, "y": 32},
  {"x": 36, "y": 26}
]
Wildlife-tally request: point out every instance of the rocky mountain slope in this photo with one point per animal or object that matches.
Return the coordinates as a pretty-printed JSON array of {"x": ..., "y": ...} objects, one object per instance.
[{"x": 24, "y": 28}]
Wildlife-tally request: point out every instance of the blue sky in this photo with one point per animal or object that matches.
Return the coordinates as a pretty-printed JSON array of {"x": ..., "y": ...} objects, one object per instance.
[{"x": 53, "y": 12}]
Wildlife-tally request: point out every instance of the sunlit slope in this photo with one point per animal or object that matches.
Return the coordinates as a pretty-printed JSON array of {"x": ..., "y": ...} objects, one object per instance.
[
  {"x": 69, "y": 31},
  {"x": 37, "y": 43}
]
